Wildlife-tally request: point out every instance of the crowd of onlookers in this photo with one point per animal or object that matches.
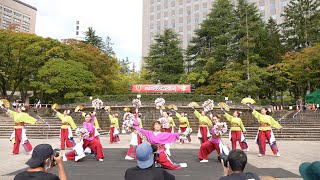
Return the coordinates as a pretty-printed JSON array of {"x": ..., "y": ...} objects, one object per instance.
[{"x": 44, "y": 158}]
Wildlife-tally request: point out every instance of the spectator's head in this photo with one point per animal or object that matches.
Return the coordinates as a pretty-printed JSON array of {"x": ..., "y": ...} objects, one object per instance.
[
  {"x": 42, "y": 156},
  {"x": 237, "y": 160},
  {"x": 144, "y": 154},
  {"x": 310, "y": 171}
]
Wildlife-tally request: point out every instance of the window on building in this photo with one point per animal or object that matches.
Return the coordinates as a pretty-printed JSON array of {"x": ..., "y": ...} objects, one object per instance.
[
  {"x": 261, "y": 2},
  {"x": 152, "y": 17},
  {"x": 26, "y": 24},
  {"x": 158, "y": 15},
  {"x": 6, "y": 22},
  {"x": 173, "y": 24},
  {"x": 77, "y": 33},
  {"x": 16, "y": 20},
  {"x": 77, "y": 27},
  {"x": 5, "y": 16},
  {"x": 173, "y": 12},
  {"x": 173, "y": 4},
  {"x": 77, "y": 22},
  {"x": 158, "y": 7},
  {"x": 26, "y": 18},
  {"x": 25, "y": 29},
  {"x": 7, "y": 10},
  {"x": 204, "y": 5},
  {"x": 17, "y": 14}
]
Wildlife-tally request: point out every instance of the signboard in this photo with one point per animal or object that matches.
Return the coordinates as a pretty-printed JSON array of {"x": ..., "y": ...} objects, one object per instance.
[{"x": 161, "y": 88}]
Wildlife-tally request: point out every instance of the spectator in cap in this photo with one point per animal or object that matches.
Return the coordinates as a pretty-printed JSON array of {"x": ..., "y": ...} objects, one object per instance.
[
  {"x": 145, "y": 168},
  {"x": 310, "y": 171},
  {"x": 42, "y": 160}
]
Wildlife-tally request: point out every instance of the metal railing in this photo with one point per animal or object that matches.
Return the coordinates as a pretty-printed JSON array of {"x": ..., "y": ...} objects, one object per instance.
[
  {"x": 43, "y": 129},
  {"x": 297, "y": 114}
]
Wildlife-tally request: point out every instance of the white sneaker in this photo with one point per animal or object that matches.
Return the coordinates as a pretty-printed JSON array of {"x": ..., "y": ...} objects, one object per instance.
[
  {"x": 30, "y": 152},
  {"x": 128, "y": 158},
  {"x": 118, "y": 142},
  {"x": 100, "y": 160},
  {"x": 64, "y": 158},
  {"x": 77, "y": 158},
  {"x": 278, "y": 154},
  {"x": 183, "y": 165},
  {"x": 260, "y": 155},
  {"x": 247, "y": 150},
  {"x": 204, "y": 161}
]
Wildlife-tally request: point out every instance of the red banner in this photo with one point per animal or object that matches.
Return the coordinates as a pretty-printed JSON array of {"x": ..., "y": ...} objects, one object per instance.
[{"x": 161, "y": 88}]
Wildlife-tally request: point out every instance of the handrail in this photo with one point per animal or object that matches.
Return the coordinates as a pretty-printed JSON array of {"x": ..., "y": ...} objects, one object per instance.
[
  {"x": 45, "y": 122},
  {"x": 296, "y": 114}
]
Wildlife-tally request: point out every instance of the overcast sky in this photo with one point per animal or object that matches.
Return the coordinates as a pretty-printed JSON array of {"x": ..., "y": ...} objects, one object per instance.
[{"x": 121, "y": 20}]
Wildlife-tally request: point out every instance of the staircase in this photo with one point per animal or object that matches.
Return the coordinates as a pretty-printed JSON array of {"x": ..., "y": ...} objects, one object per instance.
[
  {"x": 46, "y": 127},
  {"x": 302, "y": 126}
]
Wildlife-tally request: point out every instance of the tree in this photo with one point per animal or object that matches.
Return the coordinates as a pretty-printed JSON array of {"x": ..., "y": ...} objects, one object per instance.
[
  {"x": 301, "y": 24},
  {"x": 21, "y": 55},
  {"x": 65, "y": 78},
  {"x": 93, "y": 39},
  {"x": 250, "y": 26},
  {"x": 124, "y": 66},
  {"x": 165, "y": 59},
  {"x": 105, "y": 68},
  {"x": 108, "y": 47}
]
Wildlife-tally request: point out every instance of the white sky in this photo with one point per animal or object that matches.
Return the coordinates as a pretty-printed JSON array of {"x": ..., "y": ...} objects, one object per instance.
[{"x": 121, "y": 20}]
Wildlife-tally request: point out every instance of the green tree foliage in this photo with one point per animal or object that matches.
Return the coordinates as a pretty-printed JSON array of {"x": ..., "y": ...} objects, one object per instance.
[
  {"x": 21, "y": 55},
  {"x": 105, "y": 68},
  {"x": 301, "y": 24},
  {"x": 270, "y": 47},
  {"x": 65, "y": 78},
  {"x": 214, "y": 43},
  {"x": 165, "y": 59},
  {"x": 249, "y": 27},
  {"x": 93, "y": 39}
]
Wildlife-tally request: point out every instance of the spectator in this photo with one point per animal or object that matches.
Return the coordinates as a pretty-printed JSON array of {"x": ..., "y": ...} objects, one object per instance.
[
  {"x": 41, "y": 163},
  {"x": 237, "y": 161},
  {"x": 310, "y": 171},
  {"x": 145, "y": 168}
]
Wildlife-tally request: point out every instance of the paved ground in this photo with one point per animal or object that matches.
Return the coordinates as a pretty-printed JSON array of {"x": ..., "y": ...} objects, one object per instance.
[{"x": 293, "y": 153}]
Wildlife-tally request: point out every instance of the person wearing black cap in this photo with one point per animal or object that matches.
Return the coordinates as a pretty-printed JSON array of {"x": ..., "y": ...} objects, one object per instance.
[
  {"x": 145, "y": 168},
  {"x": 42, "y": 160}
]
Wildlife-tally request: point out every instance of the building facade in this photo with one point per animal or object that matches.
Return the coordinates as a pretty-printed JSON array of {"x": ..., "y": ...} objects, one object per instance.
[
  {"x": 184, "y": 16},
  {"x": 17, "y": 14}
]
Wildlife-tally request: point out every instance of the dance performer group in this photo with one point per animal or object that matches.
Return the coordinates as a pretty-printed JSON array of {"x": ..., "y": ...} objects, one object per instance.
[{"x": 160, "y": 136}]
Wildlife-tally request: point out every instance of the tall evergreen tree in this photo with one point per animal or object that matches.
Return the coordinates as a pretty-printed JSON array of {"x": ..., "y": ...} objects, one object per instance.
[
  {"x": 214, "y": 43},
  {"x": 249, "y": 26},
  {"x": 301, "y": 25},
  {"x": 165, "y": 59},
  {"x": 270, "y": 46},
  {"x": 93, "y": 39}
]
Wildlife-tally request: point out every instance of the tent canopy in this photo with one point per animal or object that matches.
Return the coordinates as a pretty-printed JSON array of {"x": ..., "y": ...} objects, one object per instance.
[{"x": 313, "y": 97}]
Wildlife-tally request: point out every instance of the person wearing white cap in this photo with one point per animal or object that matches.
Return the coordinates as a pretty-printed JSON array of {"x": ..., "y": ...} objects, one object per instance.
[{"x": 146, "y": 168}]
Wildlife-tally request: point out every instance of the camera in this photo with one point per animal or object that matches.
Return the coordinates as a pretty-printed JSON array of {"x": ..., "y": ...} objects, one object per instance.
[
  {"x": 154, "y": 150},
  {"x": 223, "y": 157},
  {"x": 56, "y": 152}
]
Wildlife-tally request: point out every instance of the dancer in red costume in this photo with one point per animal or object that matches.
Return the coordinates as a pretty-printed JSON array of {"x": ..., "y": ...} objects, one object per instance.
[
  {"x": 89, "y": 140},
  {"x": 265, "y": 132},
  {"x": 19, "y": 134},
  {"x": 66, "y": 136}
]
